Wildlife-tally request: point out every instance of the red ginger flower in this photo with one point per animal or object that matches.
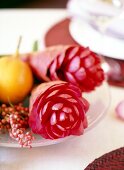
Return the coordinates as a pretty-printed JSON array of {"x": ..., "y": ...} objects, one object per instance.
[
  {"x": 74, "y": 64},
  {"x": 57, "y": 110},
  {"x": 79, "y": 66}
]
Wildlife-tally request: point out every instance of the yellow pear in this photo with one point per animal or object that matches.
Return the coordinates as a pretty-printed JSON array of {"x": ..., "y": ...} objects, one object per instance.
[{"x": 16, "y": 79}]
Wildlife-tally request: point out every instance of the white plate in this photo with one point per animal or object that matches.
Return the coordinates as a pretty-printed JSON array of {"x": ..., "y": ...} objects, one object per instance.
[
  {"x": 99, "y": 101},
  {"x": 105, "y": 45}
]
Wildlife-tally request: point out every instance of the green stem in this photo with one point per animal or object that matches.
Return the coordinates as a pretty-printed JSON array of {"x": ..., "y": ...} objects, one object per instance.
[
  {"x": 17, "y": 48},
  {"x": 35, "y": 46}
]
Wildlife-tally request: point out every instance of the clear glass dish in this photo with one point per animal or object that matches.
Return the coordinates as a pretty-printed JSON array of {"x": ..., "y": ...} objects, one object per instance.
[{"x": 99, "y": 101}]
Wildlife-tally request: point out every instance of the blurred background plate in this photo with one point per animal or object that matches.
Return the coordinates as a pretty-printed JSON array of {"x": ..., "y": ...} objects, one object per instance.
[{"x": 86, "y": 35}]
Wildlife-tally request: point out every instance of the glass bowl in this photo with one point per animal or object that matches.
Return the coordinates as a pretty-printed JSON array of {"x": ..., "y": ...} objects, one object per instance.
[{"x": 99, "y": 100}]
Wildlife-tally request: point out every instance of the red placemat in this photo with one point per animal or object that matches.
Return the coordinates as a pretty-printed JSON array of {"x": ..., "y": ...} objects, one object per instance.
[
  {"x": 59, "y": 34},
  {"x": 111, "y": 161}
]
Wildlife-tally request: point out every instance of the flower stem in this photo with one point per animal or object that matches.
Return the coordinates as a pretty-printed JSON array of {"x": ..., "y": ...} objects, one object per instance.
[{"x": 35, "y": 46}]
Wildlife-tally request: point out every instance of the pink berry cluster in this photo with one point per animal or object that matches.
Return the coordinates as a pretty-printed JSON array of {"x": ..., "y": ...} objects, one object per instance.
[{"x": 14, "y": 119}]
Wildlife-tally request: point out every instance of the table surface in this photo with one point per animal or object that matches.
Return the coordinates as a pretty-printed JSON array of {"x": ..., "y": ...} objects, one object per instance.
[{"x": 70, "y": 155}]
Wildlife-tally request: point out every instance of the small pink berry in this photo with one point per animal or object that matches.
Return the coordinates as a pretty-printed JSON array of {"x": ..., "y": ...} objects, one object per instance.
[{"x": 120, "y": 110}]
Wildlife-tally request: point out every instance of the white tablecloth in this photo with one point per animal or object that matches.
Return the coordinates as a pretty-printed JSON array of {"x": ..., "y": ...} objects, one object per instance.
[{"x": 70, "y": 155}]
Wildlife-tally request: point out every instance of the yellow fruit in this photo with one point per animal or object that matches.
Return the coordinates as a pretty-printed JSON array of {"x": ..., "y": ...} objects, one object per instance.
[{"x": 16, "y": 79}]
